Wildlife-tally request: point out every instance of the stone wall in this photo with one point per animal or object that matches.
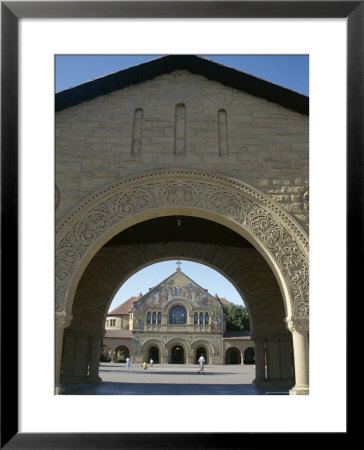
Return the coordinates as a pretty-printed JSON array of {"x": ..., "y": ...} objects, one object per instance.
[
  {"x": 121, "y": 322},
  {"x": 181, "y": 120}
]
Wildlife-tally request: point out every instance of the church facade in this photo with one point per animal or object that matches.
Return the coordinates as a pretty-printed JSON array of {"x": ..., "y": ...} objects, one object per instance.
[{"x": 174, "y": 323}]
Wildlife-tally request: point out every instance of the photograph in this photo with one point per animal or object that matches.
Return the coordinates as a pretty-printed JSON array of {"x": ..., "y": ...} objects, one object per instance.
[
  {"x": 160, "y": 250},
  {"x": 182, "y": 156}
]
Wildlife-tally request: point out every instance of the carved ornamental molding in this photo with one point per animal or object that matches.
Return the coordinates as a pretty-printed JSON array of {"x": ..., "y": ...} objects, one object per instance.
[
  {"x": 304, "y": 199},
  {"x": 256, "y": 213},
  {"x": 298, "y": 325},
  {"x": 63, "y": 319}
]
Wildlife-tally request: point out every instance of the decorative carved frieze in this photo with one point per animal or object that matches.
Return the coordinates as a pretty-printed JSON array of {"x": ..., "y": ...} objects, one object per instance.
[
  {"x": 63, "y": 319},
  {"x": 257, "y": 214},
  {"x": 304, "y": 198},
  {"x": 298, "y": 325}
]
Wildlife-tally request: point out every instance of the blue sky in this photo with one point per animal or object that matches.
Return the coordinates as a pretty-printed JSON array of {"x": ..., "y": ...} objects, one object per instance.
[
  {"x": 290, "y": 71},
  {"x": 156, "y": 273}
]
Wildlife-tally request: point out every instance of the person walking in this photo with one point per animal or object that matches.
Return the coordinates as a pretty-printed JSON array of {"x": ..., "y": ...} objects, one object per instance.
[
  {"x": 128, "y": 363},
  {"x": 151, "y": 363},
  {"x": 201, "y": 361}
]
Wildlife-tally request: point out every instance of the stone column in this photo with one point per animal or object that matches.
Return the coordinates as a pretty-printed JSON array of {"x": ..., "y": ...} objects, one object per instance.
[
  {"x": 94, "y": 362},
  {"x": 112, "y": 355},
  {"x": 63, "y": 320},
  {"x": 259, "y": 361},
  {"x": 299, "y": 329},
  {"x": 82, "y": 347},
  {"x": 273, "y": 359},
  {"x": 189, "y": 358},
  {"x": 286, "y": 359}
]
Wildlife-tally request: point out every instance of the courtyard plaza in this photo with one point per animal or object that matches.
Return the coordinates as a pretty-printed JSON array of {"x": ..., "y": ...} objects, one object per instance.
[{"x": 174, "y": 379}]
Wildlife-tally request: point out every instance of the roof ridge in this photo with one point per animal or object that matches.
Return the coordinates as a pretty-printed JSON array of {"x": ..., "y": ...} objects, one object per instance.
[{"x": 195, "y": 64}]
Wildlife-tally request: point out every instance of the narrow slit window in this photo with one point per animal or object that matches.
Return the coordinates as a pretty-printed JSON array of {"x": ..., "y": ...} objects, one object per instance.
[
  {"x": 180, "y": 130},
  {"x": 137, "y": 132},
  {"x": 223, "y": 135}
]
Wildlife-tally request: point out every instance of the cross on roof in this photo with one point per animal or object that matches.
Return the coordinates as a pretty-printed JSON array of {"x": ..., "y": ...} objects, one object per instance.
[{"x": 178, "y": 264}]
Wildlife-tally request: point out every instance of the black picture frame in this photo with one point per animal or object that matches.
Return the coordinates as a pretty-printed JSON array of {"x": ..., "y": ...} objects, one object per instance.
[{"x": 11, "y": 13}]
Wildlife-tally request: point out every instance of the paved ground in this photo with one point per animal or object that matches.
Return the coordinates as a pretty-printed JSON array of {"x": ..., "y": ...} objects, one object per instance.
[{"x": 176, "y": 379}]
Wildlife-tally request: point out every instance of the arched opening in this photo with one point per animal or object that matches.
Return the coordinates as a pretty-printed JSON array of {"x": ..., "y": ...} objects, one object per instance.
[
  {"x": 232, "y": 356},
  {"x": 153, "y": 353},
  {"x": 201, "y": 351},
  {"x": 232, "y": 256},
  {"x": 249, "y": 356},
  {"x": 178, "y": 315},
  {"x": 231, "y": 252},
  {"x": 105, "y": 354},
  {"x": 177, "y": 354},
  {"x": 121, "y": 353}
]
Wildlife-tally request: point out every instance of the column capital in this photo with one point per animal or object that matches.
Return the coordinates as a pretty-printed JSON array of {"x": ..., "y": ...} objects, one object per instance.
[
  {"x": 297, "y": 325},
  {"x": 63, "y": 319}
]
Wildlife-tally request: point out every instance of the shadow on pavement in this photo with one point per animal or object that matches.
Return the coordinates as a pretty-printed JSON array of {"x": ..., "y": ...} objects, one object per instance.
[
  {"x": 163, "y": 372},
  {"x": 109, "y": 388}
]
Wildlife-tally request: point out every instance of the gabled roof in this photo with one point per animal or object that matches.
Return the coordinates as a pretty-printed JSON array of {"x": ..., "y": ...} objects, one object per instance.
[
  {"x": 175, "y": 286},
  {"x": 125, "y": 307},
  {"x": 194, "y": 64},
  {"x": 224, "y": 301}
]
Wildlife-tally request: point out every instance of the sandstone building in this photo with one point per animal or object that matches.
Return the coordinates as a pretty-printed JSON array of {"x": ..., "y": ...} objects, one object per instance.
[
  {"x": 174, "y": 323},
  {"x": 183, "y": 158}
]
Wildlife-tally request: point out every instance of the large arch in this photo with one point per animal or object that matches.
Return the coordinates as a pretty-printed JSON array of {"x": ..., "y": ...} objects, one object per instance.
[
  {"x": 180, "y": 342},
  {"x": 209, "y": 350},
  {"x": 232, "y": 356},
  {"x": 273, "y": 233},
  {"x": 121, "y": 352},
  {"x": 148, "y": 345}
]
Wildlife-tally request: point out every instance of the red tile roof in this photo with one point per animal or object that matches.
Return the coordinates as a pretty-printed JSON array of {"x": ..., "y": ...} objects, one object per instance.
[
  {"x": 224, "y": 301},
  {"x": 125, "y": 307},
  {"x": 118, "y": 334}
]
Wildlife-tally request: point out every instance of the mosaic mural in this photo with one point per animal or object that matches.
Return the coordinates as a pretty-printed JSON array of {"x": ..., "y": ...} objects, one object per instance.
[{"x": 175, "y": 287}]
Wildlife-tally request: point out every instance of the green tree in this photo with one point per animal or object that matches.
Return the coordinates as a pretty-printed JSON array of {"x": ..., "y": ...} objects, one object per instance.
[{"x": 237, "y": 318}]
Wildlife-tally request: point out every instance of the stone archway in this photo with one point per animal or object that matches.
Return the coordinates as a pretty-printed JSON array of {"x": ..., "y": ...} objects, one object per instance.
[
  {"x": 121, "y": 353},
  {"x": 177, "y": 355},
  {"x": 227, "y": 201},
  {"x": 105, "y": 354},
  {"x": 154, "y": 354},
  {"x": 153, "y": 349},
  {"x": 204, "y": 347},
  {"x": 201, "y": 351},
  {"x": 177, "y": 350},
  {"x": 249, "y": 355},
  {"x": 232, "y": 356}
]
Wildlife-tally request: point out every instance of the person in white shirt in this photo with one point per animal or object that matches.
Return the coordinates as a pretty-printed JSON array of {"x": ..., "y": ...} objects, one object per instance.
[{"x": 201, "y": 361}]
